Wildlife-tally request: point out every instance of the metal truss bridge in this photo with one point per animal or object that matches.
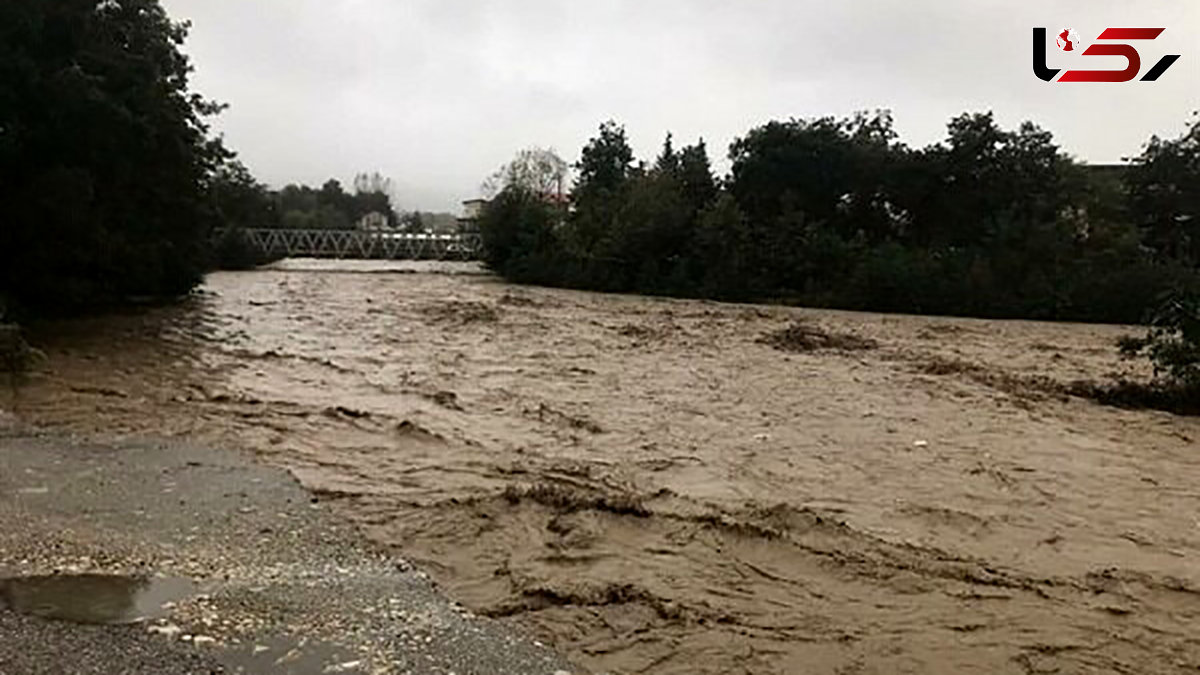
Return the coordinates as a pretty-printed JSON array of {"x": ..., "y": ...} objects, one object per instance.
[{"x": 363, "y": 244}]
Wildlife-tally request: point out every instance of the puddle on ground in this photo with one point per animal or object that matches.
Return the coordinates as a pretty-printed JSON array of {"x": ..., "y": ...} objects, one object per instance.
[
  {"x": 94, "y": 598},
  {"x": 291, "y": 656}
]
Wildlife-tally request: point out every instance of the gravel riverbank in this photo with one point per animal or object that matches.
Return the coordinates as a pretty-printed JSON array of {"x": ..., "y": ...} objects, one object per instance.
[{"x": 280, "y": 585}]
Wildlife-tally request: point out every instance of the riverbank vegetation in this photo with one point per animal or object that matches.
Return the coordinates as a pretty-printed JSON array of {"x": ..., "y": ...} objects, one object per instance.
[
  {"x": 839, "y": 213},
  {"x": 105, "y": 156},
  {"x": 16, "y": 355},
  {"x": 1173, "y": 346},
  {"x": 113, "y": 185},
  {"x": 990, "y": 222},
  {"x": 244, "y": 203},
  {"x": 124, "y": 194}
]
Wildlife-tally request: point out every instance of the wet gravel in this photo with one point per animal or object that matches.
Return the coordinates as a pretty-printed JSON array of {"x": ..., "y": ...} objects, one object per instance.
[{"x": 282, "y": 586}]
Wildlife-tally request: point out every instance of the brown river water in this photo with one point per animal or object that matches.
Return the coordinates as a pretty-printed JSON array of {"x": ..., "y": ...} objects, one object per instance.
[{"x": 651, "y": 487}]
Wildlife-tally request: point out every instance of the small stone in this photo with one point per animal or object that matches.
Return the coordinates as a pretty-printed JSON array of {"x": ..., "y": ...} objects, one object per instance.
[{"x": 168, "y": 630}]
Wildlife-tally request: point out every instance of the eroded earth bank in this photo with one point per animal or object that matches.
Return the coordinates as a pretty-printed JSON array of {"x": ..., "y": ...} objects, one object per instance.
[{"x": 688, "y": 487}]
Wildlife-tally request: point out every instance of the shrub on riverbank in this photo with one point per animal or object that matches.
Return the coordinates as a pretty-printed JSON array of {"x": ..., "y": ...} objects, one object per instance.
[
  {"x": 16, "y": 356},
  {"x": 1173, "y": 346}
]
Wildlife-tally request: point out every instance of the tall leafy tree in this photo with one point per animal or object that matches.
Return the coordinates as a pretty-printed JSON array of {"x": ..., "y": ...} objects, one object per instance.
[
  {"x": 238, "y": 200},
  {"x": 722, "y": 252},
  {"x": 983, "y": 180},
  {"x": 606, "y": 161},
  {"x": 538, "y": 170},
  {"x": 604, "y": 170},
  {"x": 104, "y": 154},
  {"x": 520, "y": 236},
  {"x": 695, "y": 172},
  {"x": 668, "y": 159},
  {"x": 651, "y": 231},
  {"x": 658, "y": 223},
  {"x": 1164, "y": 194},
  {"x": 833, "y": 172}
]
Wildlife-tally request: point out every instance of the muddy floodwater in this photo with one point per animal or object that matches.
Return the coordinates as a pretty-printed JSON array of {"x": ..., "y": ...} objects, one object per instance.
[{"x": 668, "y": 486}]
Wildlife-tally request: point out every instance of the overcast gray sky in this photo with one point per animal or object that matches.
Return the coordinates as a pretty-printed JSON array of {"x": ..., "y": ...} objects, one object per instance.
[{"x": 438, "y": 93}]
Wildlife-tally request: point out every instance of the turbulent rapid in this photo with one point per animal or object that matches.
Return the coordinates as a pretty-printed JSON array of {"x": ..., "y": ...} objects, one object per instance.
[{"x": 671, "y": 486}]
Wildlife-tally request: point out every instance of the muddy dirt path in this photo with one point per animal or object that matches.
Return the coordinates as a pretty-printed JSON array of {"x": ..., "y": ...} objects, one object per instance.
[{"x": 659, "y": 486}]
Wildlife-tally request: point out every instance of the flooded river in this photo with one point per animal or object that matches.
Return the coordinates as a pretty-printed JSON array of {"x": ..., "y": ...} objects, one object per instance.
[{"x": 652, "y": 486}]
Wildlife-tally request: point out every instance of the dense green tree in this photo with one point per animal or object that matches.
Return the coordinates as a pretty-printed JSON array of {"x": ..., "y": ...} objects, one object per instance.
[
  {"x": 604, "y": 170},
  {"x": 723, "y": 252},
  {"x": 983, "y": 182},
  {"x": 331, "y": 217},
  {"x": 695, "y": 173},
  {"x": 336, "y": 208},
  {"x": 668, "y": 159},
  {"x": 238, "y": 200},
  {"x": 519, "y": 229},
  {"x": 813, "y": 191},
  {"x": 651, "y": 234},
  {"x": 104, "y": 155},
  {"x": 632, "y": 226},
  {"x": 1164, "y": 193},
  {"x": 606, "y": 162},
  {"x": 296, "y": 203},
  {"x": 832, "y": 171}
]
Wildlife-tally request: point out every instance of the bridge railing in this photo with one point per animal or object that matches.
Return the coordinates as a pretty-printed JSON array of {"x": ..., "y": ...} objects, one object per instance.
[{"x": 364, "y": 244}]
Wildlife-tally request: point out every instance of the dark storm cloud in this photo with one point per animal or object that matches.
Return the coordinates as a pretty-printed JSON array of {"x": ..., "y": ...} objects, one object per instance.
[{"x": 437, "y": 93}]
